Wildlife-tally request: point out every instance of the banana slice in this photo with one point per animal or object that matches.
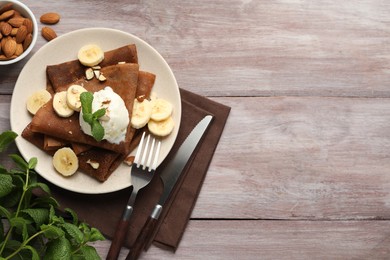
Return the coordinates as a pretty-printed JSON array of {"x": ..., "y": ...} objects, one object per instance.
[
  {"x": 65, "y": 161},
  {"x": 37, "y": 100},
  {"x": 60, "y": 105},
  {"x": 162, "y": 109},
  {"x": 161, "y": 128},
  {"x": 73, "y": 97},
  {"x": 90, "y": 55},
  {"x": 141, "y": 113}
]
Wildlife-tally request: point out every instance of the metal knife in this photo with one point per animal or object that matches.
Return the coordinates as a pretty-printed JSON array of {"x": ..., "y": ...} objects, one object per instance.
[{"x": 169, "y": 177}]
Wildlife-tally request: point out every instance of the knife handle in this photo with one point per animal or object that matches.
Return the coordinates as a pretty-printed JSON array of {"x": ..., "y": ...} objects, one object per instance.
[
  {"x": 144, "y": 235},
  {"x": 120, "y": 234}
]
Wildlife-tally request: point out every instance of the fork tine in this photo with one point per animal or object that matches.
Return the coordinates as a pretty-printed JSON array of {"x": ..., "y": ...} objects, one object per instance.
[
  {"x": 150, "y": 155},
  {"x": 139, "y": 149},
  {"x": 154, "y": 165},
  {"x": 146, "y": 150}
]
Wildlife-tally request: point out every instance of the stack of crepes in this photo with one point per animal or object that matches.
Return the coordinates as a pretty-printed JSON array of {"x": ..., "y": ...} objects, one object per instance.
[{"x": 50, "y": 132}]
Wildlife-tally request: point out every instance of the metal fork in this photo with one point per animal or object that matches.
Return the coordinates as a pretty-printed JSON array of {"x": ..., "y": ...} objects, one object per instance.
[{"x": 142, "y": 171}]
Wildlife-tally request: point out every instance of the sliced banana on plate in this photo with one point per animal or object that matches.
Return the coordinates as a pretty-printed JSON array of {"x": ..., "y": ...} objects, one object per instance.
[
  {"x": 37, "y": 100},
  {"x": 161, "y": 128},
  {"x": 65, "y": 161},
  {"x": 60, "y": 104},
  {"x": 90, "y": 55},
  {"x": 162, "y": 109},
  {"x": 141, "y": 113},
  {"x": 73, "y": 97}
]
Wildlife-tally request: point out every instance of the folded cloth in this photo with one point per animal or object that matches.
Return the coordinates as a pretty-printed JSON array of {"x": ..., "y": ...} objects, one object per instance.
[{"x": 103, "y": 211}]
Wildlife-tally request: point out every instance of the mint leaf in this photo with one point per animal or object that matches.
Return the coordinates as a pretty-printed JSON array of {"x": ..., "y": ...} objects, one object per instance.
[
  {"x": 39, "y": 216},
  {"x": 89, "y": 253},
  {"x": 6, "y": 185},
  {"x": 52, "y": 232},
  {"x": 73, "y": 233},
  {"x": 99, "y": 113},
  {"x": 19, "y": 161},
  {"x": 96, "y": 235},
  {"x": 6, "y": 138},
  {"x": 32, "y": 163},
  {"x": 59, "y": 248},
  {"x": 72, "y": 214},
  {"x": 86, "y": 99},
  {"x": 88, "y": 118},
  {"x": 97, "y": 130},
  {"x": 34, "y": 253}
]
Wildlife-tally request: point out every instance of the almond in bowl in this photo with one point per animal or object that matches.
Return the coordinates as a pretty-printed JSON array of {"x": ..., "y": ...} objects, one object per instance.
[{"x": 18, "y": 31}]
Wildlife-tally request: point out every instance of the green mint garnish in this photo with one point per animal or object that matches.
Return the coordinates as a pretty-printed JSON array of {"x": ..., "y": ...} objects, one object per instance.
[
  {"x": 35, "y": 227},
  {"x": 92, "y": 119}
]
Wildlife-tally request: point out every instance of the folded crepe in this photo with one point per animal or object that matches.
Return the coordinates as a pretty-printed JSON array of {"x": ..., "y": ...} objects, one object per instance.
[
  {"x": 64, "y": 74},
  {"x": 122, "y": 78},
  {"x": 125, "y": 79}
]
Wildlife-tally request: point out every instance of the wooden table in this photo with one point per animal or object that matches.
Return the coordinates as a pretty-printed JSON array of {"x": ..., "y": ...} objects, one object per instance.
[{"x": 302, "y": 170}]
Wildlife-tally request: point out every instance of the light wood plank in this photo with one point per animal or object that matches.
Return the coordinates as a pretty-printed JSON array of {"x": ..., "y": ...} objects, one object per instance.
[
  {"x": 249, "y": 48},
  {"x": 276, "y": 240},
  {"x": 300, "y": 158}
]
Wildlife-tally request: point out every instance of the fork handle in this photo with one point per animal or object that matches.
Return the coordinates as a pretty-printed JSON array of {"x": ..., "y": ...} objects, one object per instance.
[
  {"x": 120, "y": 234},
  {"x": 145, "y": 234}
]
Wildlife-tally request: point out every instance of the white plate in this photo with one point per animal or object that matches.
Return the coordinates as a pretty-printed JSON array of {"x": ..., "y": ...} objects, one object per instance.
[{"x": 65, "y": 48}]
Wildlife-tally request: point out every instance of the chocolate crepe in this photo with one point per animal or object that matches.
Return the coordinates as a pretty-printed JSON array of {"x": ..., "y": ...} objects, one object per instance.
[
  {"x": 125, "y": 79},
  {"x": 64, "y": 74},
  {"x": 121, "y": 78},
  {"x": 103, "y": 211}
]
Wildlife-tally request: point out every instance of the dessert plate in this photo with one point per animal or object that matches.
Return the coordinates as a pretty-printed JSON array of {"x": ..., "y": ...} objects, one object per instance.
[{"x": 65, "y": 48}]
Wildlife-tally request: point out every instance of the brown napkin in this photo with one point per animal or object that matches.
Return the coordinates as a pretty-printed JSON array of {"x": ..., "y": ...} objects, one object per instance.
[{"x": 103, "y": 211}]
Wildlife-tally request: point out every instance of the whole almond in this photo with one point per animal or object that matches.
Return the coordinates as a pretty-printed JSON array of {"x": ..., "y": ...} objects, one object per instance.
[
  {"x": 14, "y": 31},
  {"x": 3, "y": 57},
  {"x": 9, "y": 47},
  {"x": 19, "y": 49},
  {"x": 16, "y": 21},
  {"x": 7, "y": 14},
  {"x": 6, "y": 29},
  {"x": 48, "y": 33},
  {"x": 21, "y": 34},
  {"x": 29, "y": 25},
  {"x": 50, "y": 18},
  {"x": 27, "y": 41},
  {"x": 3, "y": 41}
]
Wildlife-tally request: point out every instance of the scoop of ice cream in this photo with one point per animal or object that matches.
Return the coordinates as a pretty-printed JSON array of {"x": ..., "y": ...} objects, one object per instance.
[{"x": 116, "y": 119}]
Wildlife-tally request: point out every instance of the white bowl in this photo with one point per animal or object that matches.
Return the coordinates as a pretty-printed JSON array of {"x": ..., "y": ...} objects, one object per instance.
[{"x": 26, "y": 12}]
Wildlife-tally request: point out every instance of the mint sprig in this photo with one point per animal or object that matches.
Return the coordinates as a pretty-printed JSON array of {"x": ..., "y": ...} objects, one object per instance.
[
  {"x": 92, "y": 119},
  {"x": 31, "y": 225}
]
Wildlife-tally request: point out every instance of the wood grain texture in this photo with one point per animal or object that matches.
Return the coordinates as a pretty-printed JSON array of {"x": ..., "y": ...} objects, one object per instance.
[
  {"x": 248, "y": 48},
  {"x": 301, "y": 158},
  {"x": 277, "y": 240}
]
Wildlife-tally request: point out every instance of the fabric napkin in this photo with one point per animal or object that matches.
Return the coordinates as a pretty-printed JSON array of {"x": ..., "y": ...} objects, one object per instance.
[{"x": 104, "y": 210}]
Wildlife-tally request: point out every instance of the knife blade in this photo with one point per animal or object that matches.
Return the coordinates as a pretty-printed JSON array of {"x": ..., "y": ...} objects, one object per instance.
[{"x": 169, "y": 176}]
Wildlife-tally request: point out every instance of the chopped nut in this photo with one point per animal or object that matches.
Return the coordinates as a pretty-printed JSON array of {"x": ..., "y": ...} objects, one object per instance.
[
  {"x": 97, "y": 73},
  {"x": 102, "y": 78},
  {"x": 93, "y": 164},
  {"x": 70, "y": 132},
  {"x": 89, "y": 74},
  {"x": 129, "y": 160},
  {"x": 122, "y": 62},
  {"x": 141, "y": 98},
  {"x": 96, "y": 67}
]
